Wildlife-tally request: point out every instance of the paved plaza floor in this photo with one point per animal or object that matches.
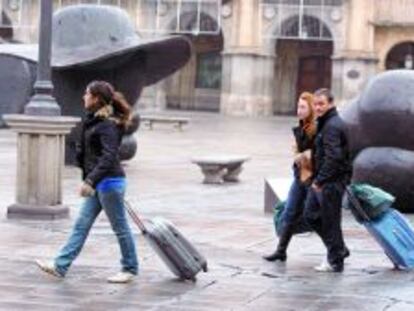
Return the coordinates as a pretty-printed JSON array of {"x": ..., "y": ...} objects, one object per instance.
[{"x": 226, "y": 222}]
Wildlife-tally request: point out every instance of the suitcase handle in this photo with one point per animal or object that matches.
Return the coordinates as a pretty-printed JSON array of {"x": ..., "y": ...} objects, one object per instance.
[
  {"x": 355, "y": 203},
  {"x": 133, "y": 214}
]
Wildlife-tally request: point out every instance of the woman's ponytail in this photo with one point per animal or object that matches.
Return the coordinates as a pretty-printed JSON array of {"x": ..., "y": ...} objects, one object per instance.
[
  {"x": 107, "y": 95},
  {"x": 122, "y": 109}
]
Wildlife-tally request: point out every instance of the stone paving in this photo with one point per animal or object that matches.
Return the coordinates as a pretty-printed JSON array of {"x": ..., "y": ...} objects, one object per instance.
[{"x": 226, "y": 222}]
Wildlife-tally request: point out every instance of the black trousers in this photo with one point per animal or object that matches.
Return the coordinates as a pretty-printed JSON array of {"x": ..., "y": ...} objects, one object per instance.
[{"x": 323, "y": 213}]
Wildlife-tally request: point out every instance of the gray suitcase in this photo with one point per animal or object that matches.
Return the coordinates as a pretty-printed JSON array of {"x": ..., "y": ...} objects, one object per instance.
[{"x": 173, "y": 248}]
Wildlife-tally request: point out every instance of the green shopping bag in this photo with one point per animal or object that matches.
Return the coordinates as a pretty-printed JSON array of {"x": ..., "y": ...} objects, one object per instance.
[
  {"x": 373, "y": 200},
  {"x": 279, "y": 220}
]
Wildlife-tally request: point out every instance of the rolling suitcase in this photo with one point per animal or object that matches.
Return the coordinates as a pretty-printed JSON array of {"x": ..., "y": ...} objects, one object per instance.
[
  {"x": 391, "y": 230},
  {"x": 180, "y": 256}
]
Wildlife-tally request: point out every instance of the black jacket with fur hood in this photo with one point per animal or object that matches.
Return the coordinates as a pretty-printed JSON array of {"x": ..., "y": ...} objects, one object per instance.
[{"x": 97, "y": 151}]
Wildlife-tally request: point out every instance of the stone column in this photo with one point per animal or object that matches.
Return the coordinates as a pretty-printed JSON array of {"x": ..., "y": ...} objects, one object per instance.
[
  {"x": 247, "y": 84},
  {"x": 247, "y": 71},
  {"x": 357, "y": 62},
  {"x": 40, "y": 162}
]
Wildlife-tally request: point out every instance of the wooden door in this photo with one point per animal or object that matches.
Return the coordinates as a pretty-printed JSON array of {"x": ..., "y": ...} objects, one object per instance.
[{"x": 314, "y": 73}]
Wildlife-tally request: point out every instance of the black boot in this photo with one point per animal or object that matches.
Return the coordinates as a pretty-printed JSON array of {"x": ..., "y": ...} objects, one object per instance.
[
  {"x": 280, "y": 253},
  {"x": 276, "y": 256},
  {"x": 346, "y": 253}
]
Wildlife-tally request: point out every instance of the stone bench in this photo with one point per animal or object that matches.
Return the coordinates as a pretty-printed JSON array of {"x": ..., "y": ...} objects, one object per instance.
[
  {"x": 218, "y": 169},
  {"x": 177, "y": 121},
  {"x": 275, "y": 191}
]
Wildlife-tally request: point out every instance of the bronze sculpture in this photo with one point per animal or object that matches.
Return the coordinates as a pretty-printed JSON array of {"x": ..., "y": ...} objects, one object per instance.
[
  {"x": 91, "y": 42},
  {"x": 382, "y": 140}
]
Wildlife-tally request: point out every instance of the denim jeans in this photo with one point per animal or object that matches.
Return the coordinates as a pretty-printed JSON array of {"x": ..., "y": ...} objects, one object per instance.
[
  {"x": 294, "y": 203},
  {"x": 111, "y": 200}
]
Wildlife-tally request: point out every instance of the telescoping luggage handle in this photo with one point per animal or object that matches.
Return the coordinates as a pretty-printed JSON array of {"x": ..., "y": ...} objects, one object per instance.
[
  {"x": 355, "y": 203},
  {"x": 135, "y": 217}
]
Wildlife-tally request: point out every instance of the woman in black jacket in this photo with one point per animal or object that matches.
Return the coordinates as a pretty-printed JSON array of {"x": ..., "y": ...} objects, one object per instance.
[
  {"x": 304, "y": 135},
  {"x": 104, "y": 183}
]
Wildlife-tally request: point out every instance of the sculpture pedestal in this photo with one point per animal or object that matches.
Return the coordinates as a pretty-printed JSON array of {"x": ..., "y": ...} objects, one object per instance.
[{"x": 40, "y": 161}]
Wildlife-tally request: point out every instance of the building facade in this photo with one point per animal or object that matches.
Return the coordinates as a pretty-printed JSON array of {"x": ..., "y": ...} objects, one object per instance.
[{"x": 254, "y": 57}]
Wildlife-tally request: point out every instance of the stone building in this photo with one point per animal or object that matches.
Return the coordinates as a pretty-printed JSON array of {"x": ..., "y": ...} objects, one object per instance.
[{"x": 253, "y": 57}]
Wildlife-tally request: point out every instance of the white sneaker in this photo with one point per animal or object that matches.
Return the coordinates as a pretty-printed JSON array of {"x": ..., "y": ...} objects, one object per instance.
[
  {"x": 48, "y": 267},
  {"x": 324, "y": 267},
  {"x": 121, "y": 277}
]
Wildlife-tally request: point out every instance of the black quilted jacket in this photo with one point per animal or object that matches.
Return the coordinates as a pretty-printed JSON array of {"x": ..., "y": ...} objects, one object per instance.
[{"x": 97, "y": 151}]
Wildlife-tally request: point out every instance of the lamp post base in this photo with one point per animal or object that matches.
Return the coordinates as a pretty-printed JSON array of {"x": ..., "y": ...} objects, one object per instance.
[
  {"x": 42, "y": 105},
  {"x": 40, "y": 162}
]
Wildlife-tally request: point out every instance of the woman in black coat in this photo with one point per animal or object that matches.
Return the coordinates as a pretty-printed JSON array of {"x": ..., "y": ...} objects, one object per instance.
[
  {"x": 103, "y": 180},
  {"x": 304, "y": 135}
]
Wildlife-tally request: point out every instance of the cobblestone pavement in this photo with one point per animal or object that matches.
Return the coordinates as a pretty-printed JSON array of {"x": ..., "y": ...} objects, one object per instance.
[{"x": 226, "y": 222}]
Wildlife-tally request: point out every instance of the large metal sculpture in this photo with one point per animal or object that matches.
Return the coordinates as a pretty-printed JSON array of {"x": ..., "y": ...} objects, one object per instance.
[
  {"x": 380, "y": 125},
  {"x": 91, "y": 42}
]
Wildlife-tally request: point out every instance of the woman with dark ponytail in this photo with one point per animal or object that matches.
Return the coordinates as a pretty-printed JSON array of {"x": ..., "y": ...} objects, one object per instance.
[{"x": 107, "y": 116}]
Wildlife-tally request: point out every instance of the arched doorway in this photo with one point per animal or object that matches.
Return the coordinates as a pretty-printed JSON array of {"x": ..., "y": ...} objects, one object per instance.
[
  {"x": 198, "y": 85},
  {"x": 401, "y": 56},
  {"x": 303, "y": 61},
  {"x": 6, "y": 29}
]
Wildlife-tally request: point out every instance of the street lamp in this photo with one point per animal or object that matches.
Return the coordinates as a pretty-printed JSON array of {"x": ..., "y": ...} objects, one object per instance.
[
  {"x": 43, "y": 102},
  {"x": 41, "y": 134}
]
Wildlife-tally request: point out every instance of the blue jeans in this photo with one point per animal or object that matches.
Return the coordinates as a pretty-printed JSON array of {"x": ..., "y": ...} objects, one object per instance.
[
  {"x": 294, "y": 203},
  {"x": 111, "y": 200}
]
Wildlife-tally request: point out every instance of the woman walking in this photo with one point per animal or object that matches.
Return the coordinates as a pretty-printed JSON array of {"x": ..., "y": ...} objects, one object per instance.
[
  {"x": 304, "y": 135},
  {"x": 104, "y": 182}
]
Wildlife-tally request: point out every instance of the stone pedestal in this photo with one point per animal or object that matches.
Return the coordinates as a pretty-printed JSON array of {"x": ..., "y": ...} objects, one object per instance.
[
  {"x": 40, "y": 161},
  {"x": 247, "y": 88},
  {"x": 276, "y": 190}
]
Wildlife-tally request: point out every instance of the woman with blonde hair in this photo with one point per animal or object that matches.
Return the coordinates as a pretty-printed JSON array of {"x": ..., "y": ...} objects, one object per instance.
[{"x": 304, "y": 134}]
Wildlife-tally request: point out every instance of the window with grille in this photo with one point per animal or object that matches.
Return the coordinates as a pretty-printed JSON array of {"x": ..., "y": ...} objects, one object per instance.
[{"x": 299, "y": 19}]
